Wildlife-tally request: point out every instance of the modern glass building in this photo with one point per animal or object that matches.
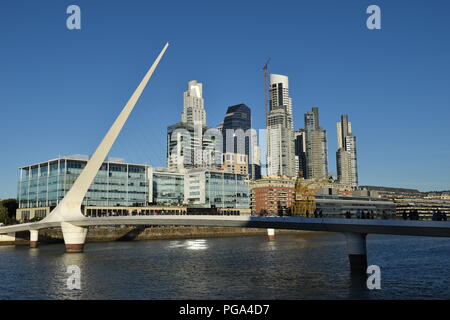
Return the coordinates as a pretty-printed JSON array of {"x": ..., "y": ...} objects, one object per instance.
[
  {"x": 116, "y": 184},
  {"x": 167, "y": 186},
  {"x": 216, "y": 189},
  {"x": 125, "y": 189},
  {"x": 192, "y": 146},
  {"x": 240, "y": 138}
]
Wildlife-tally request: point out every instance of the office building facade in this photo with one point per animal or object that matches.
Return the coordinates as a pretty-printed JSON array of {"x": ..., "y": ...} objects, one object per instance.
[
  {"x": 300, "y": 152},
  {"x": 166, "y": 186},
  {"x": 239, "y": 137},
  {"x": 117, "y": 183},
  {"x": 216, "y": 189}
]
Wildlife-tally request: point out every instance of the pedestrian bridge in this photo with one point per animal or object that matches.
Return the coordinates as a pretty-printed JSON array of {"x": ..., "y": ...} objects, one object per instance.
[{"x": 362, "y": 226}]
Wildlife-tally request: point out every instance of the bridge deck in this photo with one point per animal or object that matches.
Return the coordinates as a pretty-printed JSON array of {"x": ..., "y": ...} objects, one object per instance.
[{"x": 394, "y": 227}]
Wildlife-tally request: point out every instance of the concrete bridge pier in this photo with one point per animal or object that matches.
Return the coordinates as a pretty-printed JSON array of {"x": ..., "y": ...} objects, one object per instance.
[
  {"x": 74, "y": 237},
  {"x": 34, "y": 238},
  {"x": 357, "y": 253},
  {"x": 271, "y": 234}
]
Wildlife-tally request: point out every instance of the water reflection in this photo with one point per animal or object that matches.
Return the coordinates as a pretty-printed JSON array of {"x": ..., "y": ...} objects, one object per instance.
[
  {"x": 199, "y": 244},
  {"x": 291, "y": 267}
]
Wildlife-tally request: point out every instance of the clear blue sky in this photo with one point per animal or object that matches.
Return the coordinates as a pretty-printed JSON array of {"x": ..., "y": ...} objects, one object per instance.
[{"x": 60, "y": 90}]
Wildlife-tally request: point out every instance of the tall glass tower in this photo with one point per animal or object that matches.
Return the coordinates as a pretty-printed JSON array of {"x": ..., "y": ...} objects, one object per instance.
[{"x": 239, "y": 138}]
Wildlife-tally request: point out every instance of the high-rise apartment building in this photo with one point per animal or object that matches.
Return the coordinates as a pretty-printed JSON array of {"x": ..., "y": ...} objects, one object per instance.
[
  {"x": 279, "y": 96},
  {"x": 347, "y": 169},
  {"x": 280, "y": 142},
  {"x": 315, "y": 146}
]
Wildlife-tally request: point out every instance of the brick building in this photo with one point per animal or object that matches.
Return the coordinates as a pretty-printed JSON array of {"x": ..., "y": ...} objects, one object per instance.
[{"x": 272, "y": 195}]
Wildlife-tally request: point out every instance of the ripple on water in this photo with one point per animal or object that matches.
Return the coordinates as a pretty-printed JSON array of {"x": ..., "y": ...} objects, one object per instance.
[{"x": 291, "y": 267}]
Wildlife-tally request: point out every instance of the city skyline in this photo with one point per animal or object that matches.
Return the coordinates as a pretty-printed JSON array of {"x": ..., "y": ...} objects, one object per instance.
[{"x": 56, "y": 107}]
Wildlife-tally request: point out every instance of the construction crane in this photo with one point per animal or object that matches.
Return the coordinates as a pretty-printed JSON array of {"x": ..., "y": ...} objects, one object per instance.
[
  {"x": 304, "y": 200},
  {"x": 266, "y": 90}
]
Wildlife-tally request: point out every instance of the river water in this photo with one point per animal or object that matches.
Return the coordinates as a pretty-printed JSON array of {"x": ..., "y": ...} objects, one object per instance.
[{"x": 311, "y": 266}]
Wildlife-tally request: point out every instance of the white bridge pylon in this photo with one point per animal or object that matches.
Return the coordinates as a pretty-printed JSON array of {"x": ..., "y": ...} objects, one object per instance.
[{"x": 69, "y": 208}]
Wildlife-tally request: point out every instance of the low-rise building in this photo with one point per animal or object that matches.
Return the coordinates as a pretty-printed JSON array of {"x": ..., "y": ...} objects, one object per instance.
[
  {"x": 121, "y": 188},
  {"x": 216, "y": 189},
  {"x": 166, "y": 186},
  {"x": 41, "y": 186},
  {"x": 272, "y": 195}
]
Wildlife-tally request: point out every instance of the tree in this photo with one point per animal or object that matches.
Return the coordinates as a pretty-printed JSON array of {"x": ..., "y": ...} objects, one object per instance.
[
  {"x": 11, "y": 206},
  {"x": 8, "y": 211},
  {"x": 3, "y": 214}
]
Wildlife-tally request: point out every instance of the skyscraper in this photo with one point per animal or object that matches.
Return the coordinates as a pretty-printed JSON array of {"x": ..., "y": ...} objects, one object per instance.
[
  {"x": 279, "y": 96},
  {"x": 190, "y": 143},
  {"x": 193, "y": 103},
  {"x": 280, "y": 144},
  {"x": 316, "y": 146},
  {"x": 346, "y": 163},
  {"x": 239, "y": 138},
  {"x": 300, "y": 151}
]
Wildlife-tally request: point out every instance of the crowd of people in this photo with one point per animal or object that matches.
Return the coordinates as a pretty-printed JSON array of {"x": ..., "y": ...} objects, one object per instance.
[
  {"x": 318, "y": 213},
  {"x": 412, "y": 215},
  {"x": 439, "y": 216},
  {"x": 364, "y": 214}
]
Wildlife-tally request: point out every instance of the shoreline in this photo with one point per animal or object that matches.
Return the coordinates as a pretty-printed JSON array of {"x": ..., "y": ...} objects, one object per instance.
[{"x": 143, "y": 233}]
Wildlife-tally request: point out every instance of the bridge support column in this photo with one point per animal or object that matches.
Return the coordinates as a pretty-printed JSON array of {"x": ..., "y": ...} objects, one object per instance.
[
  {"x": 74, "y": 237},
  {"x": 271, "y": 234},
  {"x": 34, "y": 238},
  {"x": 357, "y": 253}
]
